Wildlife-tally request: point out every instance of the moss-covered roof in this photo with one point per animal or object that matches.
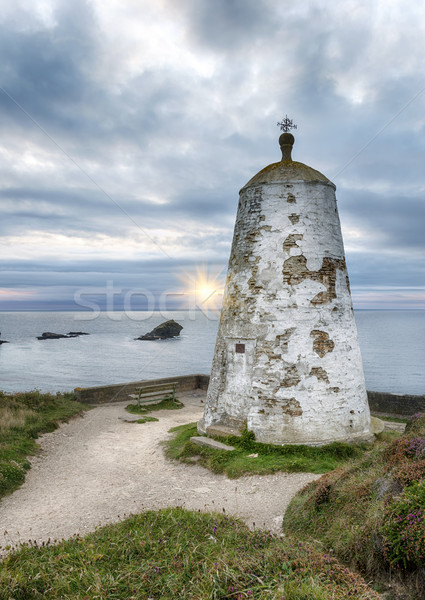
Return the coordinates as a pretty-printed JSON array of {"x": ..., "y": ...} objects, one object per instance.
[{"x": 287, "y": 171}]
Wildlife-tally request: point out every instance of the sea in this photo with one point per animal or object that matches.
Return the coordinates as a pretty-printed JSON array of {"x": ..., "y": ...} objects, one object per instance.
[{"x": 392, "y": 343}]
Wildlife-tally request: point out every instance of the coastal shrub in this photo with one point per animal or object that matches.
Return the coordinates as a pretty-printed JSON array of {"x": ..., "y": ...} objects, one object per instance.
[
  {"x": 403, "y": 527},
  {"x": 405, "y": 457},
  {"x": 406, "y": 447},
  {"x": 323, "y": 491},
  {"x": 13, "y": 418},
  {"x": 416, "y": 424},
  {"x": 174, "y": 553},
  {"x": 341, "y": 510},
  {"x": 409, "y": 471},
  {"x": 34, "y": 400},
  {"x": 371, "y": 512},
  {"x": 12, "y": 475}
]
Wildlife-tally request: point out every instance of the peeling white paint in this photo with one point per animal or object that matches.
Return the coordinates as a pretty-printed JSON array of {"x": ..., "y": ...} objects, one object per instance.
[{"x": 272, "y": 306}]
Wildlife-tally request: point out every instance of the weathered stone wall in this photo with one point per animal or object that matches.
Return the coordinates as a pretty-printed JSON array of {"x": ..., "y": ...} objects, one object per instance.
[
  {"x": 203, "y": 382},
  {"x": 287, "y": 360},
  {"x": 119, "y": 392},
  {"x": 379, "y": 402},
  {"x": 395, "y": 404}
]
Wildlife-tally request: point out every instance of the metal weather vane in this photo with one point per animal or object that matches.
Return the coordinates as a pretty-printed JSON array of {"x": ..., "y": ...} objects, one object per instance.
[{"x": 286, "y": 124}]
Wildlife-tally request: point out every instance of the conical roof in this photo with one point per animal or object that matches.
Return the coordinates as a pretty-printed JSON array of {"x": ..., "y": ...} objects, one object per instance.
[{"x": 288, "y": 170}]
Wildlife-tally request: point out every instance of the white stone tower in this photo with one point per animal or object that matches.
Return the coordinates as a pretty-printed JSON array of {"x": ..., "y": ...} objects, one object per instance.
[{"x": 287, "y": 362}]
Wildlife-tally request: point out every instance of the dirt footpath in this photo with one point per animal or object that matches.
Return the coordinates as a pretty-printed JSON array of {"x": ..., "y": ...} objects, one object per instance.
[{"x": 97, "y": 469}]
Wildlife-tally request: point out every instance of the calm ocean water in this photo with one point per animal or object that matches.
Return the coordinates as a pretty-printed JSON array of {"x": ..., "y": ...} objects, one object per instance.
[{"x": 392, "y": 345}]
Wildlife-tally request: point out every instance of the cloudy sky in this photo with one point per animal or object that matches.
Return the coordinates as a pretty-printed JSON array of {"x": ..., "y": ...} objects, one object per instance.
[{"x": 129, "y": 126}]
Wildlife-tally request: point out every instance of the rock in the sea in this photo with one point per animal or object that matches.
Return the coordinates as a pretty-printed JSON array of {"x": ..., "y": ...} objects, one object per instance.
[
  {"x": 166, "y": 330},
  {"x": 3, "y": 341},
  {"x": 76, "y": 333},
  {"x": 48, "y": 335}
]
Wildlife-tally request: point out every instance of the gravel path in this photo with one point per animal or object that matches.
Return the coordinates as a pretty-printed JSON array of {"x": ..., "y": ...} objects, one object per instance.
[{"x": 97, "y": 469}]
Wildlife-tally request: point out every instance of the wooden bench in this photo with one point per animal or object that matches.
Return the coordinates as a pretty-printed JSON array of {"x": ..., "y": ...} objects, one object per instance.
[{"x": 148, "y": 394}]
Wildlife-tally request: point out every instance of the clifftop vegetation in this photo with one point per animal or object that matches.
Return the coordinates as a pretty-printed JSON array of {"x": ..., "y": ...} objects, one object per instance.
[
  {"x": 23, "y": 416},
  {"x": 371, "y": 512}
]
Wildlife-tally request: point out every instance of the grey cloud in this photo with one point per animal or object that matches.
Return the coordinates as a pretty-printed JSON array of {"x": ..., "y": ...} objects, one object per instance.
[
  {"x": 195, "y": 141},
  {"x": 373, "y": 269},
  {"x": 87, "y": 211},
  {"x": 228, "y": 23},
  {"x": 398, "y": 218},
  {"x": 46, "y": 70}
]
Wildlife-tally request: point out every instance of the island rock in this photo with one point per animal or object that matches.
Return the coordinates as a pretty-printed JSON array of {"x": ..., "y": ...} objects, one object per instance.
[
  {"x": 76, "y": 333},
  {"x": 48, "y": 335},
  {"x": 166, "y": 330}
]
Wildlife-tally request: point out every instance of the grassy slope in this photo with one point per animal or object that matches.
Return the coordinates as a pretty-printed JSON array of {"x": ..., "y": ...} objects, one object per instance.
[
  {"x": 23, "y": 417},
  {"x": 372, "y": 513},
  {"x": 269, "y": 458},
  {"x": 175, "y": 553}
]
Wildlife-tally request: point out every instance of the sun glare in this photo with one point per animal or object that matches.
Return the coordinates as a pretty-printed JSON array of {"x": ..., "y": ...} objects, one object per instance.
[{"x": 204, "y": 288}]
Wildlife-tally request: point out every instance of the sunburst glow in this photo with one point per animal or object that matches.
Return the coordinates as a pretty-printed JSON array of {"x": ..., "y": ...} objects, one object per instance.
[{"x": 204, "y": 288}]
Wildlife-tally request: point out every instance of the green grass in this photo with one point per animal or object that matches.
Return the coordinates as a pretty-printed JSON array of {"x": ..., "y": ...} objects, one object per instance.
[
  {"x": 371, "y": 513},
  {"x": 166, "y": 404},
  {"x": 393, "y": 419},
  {"x": 271, "y": 458},
  {"x": 146, "y": 420},
  {"x": 23, "y": 416},
  {"x": 173, "y": 554}
]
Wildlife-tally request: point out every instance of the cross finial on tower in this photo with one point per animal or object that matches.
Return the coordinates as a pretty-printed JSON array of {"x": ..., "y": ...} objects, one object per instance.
[
  {"x": 286, "y": 139},
  {"x": 286, "y": 124}
]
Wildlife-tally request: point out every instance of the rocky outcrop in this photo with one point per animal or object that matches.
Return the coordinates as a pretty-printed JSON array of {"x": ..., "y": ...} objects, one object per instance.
[
  {"x": 166, "y": 330},
  {"x": 3, "y": 341},
  {"x": 76, "y": 333},
  {"x": 48, "y": 335}
]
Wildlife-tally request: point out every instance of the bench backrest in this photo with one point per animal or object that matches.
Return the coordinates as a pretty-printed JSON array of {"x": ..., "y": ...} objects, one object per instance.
[{"x": 160, "y": 387}]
